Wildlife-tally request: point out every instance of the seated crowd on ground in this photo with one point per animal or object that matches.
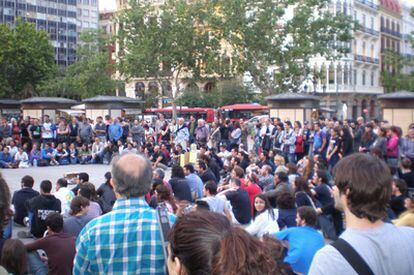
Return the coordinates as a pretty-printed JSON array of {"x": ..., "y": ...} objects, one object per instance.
[{"x": 268, "y": 210}]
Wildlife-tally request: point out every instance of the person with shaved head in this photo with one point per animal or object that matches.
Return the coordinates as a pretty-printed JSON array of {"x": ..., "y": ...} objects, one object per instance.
[{"x": 126, "y": 240}]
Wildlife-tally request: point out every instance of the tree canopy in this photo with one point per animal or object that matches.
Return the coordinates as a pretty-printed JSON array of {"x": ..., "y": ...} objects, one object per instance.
[
  {"x": 26, "y": 59},
  {"x": 90, "y": 75}
]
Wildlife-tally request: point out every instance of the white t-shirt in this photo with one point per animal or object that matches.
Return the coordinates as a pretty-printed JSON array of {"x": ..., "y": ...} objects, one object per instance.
[
  {"x": 388, "y": 250},
  {"x": 264, "y": 224},
  {"x": 47, "y": 130}
]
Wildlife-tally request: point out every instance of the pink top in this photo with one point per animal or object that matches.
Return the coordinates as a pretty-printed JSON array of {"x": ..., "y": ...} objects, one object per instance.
[{"x": 392, "y": 147}]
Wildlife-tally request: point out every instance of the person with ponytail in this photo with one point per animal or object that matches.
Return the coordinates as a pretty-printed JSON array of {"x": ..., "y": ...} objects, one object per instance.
[{"x": 204, "y": 242}]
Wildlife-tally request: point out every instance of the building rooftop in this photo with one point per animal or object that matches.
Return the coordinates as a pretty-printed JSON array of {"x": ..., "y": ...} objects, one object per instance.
[
  {"x": 292, "y": 96},
  {"x": 59, "y": 100},
  {"x": 8, "y": 101},
  {"x": 392, "y": 5},
  {"x": 398, "y": 95},
  {"x": 107, "y": 98}
]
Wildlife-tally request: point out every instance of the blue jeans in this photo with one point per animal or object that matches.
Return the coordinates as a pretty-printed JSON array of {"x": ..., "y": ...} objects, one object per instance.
[
  {"x": 35, "y": 264},
  {"x": 7, "y": 230}
]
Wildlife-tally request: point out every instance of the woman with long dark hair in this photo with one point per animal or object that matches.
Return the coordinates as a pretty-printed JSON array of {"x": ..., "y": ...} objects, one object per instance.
[
  {"x": 5, "y": 212},
  {"x": 14, "y": 257},
  {"x": 264, "y": 217},
  {"x": 368, "y": 138},
  {"x": 303, "y": 194},
  {"x": 347, "y": 142},
  {"x": 204, "y": 242},
  {"x": 106, "y": 194},
  {"x": 163, "y": 195}
]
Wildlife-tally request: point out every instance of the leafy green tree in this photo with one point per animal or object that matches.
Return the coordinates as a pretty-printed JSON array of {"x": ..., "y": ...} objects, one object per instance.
[
  {"x": 165, "y": 42},
  {"x": 90, "y": 75},
  {"x": 274, "y": 40},
  {"x": 225, "y": 93},
  {"x": 26, "y": 59}
]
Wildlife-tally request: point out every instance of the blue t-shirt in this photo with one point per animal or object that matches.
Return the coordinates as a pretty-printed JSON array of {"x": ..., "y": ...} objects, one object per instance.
[
  {"x": 318, "y": 140},
  {"x": 304, "y": 242}
]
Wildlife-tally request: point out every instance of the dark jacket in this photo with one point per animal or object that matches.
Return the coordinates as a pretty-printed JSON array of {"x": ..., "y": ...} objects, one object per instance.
[
  {"x": 41, "y": 206},
  {"x": 19, "y": 201},
  {"x": 181, "y": 189}
]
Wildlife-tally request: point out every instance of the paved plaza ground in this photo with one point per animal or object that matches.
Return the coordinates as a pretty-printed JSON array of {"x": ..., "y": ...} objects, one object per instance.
[{"x": 53, "y": 173}]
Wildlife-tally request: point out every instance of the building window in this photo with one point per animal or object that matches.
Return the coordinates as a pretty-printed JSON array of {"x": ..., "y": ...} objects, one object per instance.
[
  {"x": 86, "y": 2},
  {"x": 364, "y": 20},
  {"x": 355, "y": 16},
  {"x": 331, "y": 74},
  {"x": 355, "y": 77},
  {"x": 79, "y": 12},
  {"x": 85, "y": 13},
  {"x": 382, "y": 22},
  {"x": 363, "y": 78},
  {"x": 94, "y": 3},
  {"x": 372, "y": 23},
  {"x": 364, "y": 48},
  {"x": 372, "y": 50},
  {"x": 372, "y": 78},
  {"x": 393, "y": 26}
]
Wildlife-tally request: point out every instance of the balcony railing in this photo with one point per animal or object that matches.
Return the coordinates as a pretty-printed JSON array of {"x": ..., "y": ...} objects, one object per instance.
[
  {"x": 366, "y": 59},
  {"x": 391, "y": 32},
  {"x": 368, "y": 30},
  {"x": 368, "y": 3}
]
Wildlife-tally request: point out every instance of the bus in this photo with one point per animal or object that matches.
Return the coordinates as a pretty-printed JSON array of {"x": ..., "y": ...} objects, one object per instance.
[
  {"x": 207, "y": 114},
  {"x": 236, "y": 112}
]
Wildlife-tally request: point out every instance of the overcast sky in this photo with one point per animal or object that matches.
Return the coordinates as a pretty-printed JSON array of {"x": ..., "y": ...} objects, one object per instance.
[{"x": 107, "y": 5}]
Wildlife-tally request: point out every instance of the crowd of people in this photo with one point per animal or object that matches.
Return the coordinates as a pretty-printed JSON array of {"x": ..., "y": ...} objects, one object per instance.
[{"x": 258, "y": 199}]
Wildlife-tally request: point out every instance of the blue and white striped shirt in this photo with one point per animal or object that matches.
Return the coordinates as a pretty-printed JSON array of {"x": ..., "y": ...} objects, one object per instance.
[{"x": 126, "y": 240}]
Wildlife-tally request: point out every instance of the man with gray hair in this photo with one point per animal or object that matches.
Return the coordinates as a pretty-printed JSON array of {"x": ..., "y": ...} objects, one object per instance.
[
  {"x": 126, "y": 240},
  {"x": 182, "y": 136}
]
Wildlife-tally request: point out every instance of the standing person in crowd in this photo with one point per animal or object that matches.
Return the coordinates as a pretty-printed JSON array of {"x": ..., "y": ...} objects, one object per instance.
[
  {"x": 15, "y": 131},
  {"x": 138, "y": 247},
  {"x": 74, "y": 130},
  {"x": 5, "y": 130},
  {"x": 182, "y": 135},
  {"x": 194, "y": 181},
  {"x": 64, "y": 194},
  {"x": 304, "y": 240},
  {"x": 204, "y": 242},
  {"x": 35, "y": 131},
  {"x": 392, "y": 147},
  {"x": 106, "y": 194},
  {"x": 347, "y": 143},
  {"x": 265, "y": 134},
  {"x": 100, "y": 129},
  {"x": 115, "y": 131},
  {"x": 60, "y": 263},
  {"x": 264, "y": 217},
  {"x": 85, "y": 131},
  {"x": 192, "y": 126},
  {"x": 77, "y": 217},
  {"x": 239, "y": 200},
  {"x": 288, "y": 140},
  {"x": 201, "y": 133},
  {"x": 407, "y": 145},
  {"x": 40, "y": 207},
  {"x": 362, "y": 190},
  {"x": 319, "y": 139},
  {"x": 137, "y": 133},
  {"x": 47, "y": 130},
  {"x": 359, "y": 132},
  {"x": 215, "y": 136},
  {"x": 235, "y": 135},
  {"x": 368, "y": 138},
  {"x": 62, "y": 132},
  {"x": 333, "y": 152},
  {"x": 20, "y": 199},
  {"x": 380, "y": 142}
]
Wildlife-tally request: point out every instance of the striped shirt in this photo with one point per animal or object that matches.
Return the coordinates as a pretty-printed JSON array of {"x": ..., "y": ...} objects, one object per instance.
[{"x": 126, "y": 240}]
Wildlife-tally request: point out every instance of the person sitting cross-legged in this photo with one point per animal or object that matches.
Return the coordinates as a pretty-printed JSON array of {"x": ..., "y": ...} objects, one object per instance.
[{"x": 58, "y": 246}]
